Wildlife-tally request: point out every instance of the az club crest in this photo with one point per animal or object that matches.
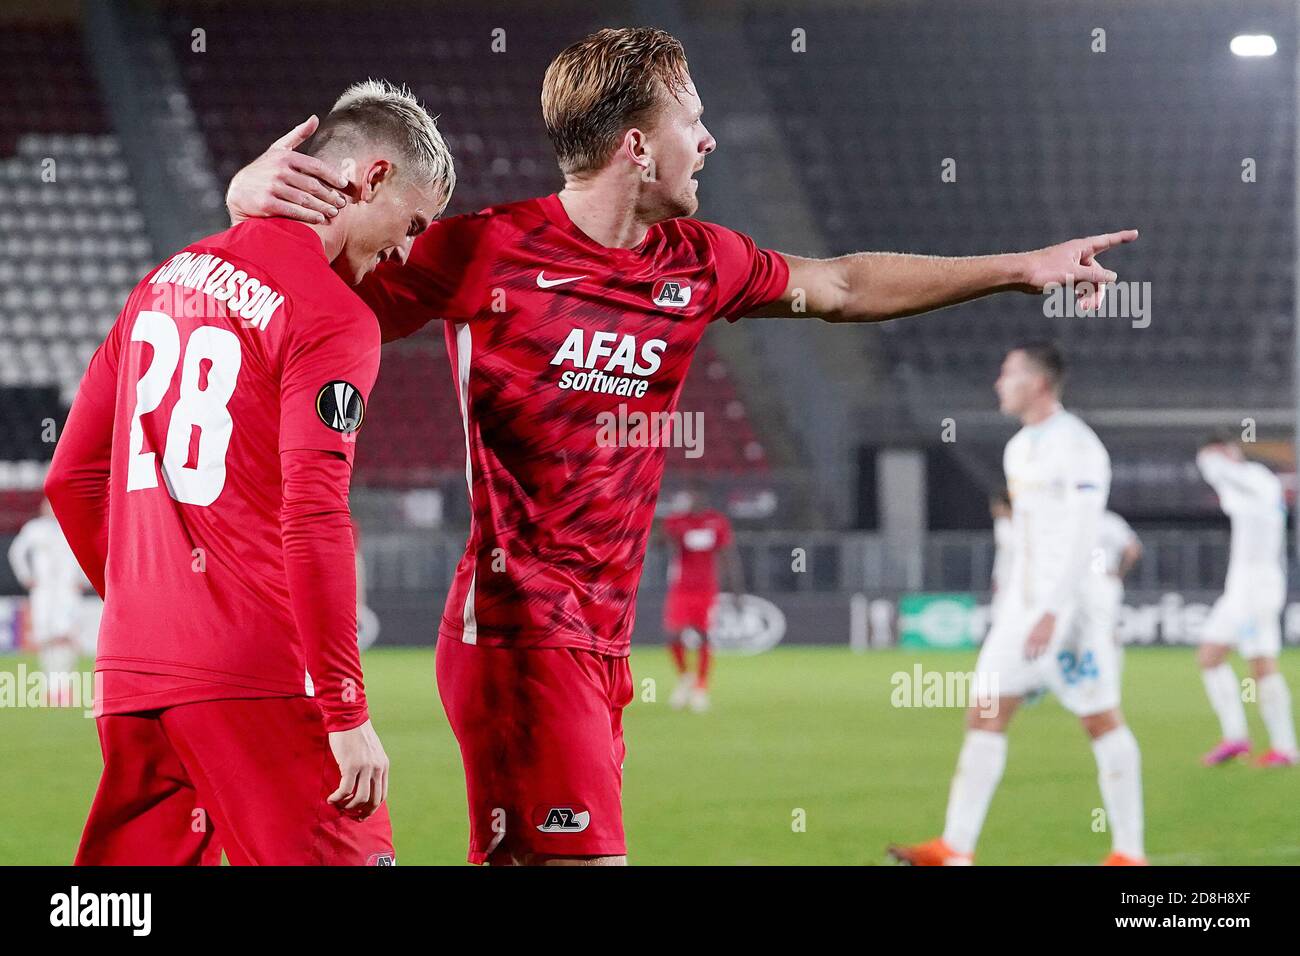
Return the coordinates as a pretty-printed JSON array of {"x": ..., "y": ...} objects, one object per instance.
[
  {"x": 671, "y": 294},
  {"x": 564, "y": 820}
]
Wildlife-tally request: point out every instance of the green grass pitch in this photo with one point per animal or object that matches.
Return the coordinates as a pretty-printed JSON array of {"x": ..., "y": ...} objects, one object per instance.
[{"x": 808, "y": 730}]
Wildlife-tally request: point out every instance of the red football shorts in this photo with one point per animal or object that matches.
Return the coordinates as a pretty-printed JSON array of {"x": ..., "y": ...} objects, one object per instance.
[
  {"x": 249, "y": 777},
  {"x": 541, "y": 736},
  {"x": 685, "y": 609}
]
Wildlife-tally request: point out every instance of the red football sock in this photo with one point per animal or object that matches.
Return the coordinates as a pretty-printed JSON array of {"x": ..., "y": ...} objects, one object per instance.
[
  {"x": 678, "y": 651},
  {"x": 703, "y": 679}
]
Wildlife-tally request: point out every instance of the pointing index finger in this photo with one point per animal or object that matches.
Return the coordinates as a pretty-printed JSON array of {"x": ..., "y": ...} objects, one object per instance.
[{"x": 1109, "y": 240}]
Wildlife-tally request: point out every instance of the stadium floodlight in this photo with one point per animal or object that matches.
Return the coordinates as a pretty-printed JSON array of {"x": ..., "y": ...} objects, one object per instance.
[{"x": 1248, "y": 44}]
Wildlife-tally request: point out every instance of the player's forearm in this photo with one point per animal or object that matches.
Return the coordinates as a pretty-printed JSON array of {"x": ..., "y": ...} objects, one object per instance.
[
  {"x": 876, "y": 286},
  {"x": 320, "y": 565},
  {"x": 1129, "y": 558},
  {"x": 79, "y": 498}
]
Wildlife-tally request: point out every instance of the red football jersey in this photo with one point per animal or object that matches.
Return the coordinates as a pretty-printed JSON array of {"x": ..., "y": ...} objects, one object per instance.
[
  {"x": 244, "y": 345},
  {"x": 551, "y": 336},
  {"x": 696, "y": 537}
]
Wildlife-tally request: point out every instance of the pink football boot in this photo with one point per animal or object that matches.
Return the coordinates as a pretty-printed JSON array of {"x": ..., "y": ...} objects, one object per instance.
[
  {"x": 1225, "y": 751},
  {"x": 1276, "y": 758}
]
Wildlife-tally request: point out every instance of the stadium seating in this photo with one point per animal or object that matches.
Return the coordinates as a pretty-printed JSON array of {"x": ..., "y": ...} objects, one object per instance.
[
  {"x": 266, "y": 69},
  {"x": 1160, "y": 126},
  {"x": 47, "y": 83},
  {"x": 71, "y": 249},
  {"x": 72, "y": 244}
]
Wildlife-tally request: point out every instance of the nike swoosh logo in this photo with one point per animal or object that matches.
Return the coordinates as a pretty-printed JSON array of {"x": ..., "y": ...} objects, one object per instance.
[{"x": 545, "y": 283}]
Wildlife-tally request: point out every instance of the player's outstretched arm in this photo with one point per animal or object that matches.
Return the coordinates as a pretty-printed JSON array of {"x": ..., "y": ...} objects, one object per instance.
[
  {"x": 285, "y": 183},
  {"x": 875, "y": 286}
]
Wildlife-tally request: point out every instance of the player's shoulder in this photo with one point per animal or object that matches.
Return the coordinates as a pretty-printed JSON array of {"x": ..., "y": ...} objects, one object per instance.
[
  {"x": 346, "y": 323},
  {"x": 1115, "y": 523},
  {"x": 262, "y": 271},
  {"x": 1074, "y": 430},
  {"x": 34, "y": 526},
  {"x": 520, "y": 213},
  {"x": 1264, "y": 474},
  {"x": 1023, "y": 436},
  {"x": 697, "y": 233},
  {"x": 291, "y": 251},
  {"x": 292, "y": 254},
  {"x": 452, "y": 241},
  {"x": 1069, "y": 423}
]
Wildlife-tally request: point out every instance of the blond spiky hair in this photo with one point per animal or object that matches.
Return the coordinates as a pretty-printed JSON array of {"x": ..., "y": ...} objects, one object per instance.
[{"x": 377, "y": 111}]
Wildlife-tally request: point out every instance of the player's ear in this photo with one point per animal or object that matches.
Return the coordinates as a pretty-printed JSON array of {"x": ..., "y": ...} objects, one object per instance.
[
  {"x": 379, "y": 172},
  {"x": 635, "y": 147}
]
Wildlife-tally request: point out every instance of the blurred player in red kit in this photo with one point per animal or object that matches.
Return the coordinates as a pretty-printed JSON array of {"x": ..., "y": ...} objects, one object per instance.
[
  {"x": 558, "y": 311},
  {"x": 202, "y": 481},
  {"x": 699, "y": 536}
]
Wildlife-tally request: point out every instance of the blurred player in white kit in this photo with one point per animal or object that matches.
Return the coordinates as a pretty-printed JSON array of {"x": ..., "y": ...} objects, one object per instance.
[
  {"x": 1049, "y": 631},
  {"x": 1247, "y": 615},
  {"x": 1118, "y": 549},
  {"x": 1003, "y": 546},
  {"x": 47, "y": 568}
]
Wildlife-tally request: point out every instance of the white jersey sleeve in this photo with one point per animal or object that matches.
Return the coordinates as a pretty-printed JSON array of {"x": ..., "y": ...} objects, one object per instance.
[
  {"x": 22, "y": 554},
  {"x": 1085, "y": 472},
  {"x": 41, "y": 557},
  {"x": 1252, "y": 498},
  {"x": 1004, "y": 538}
]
